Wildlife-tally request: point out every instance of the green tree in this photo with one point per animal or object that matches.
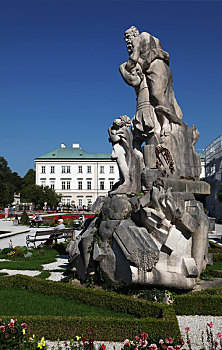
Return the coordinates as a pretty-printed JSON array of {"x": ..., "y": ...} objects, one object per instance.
[
  {"x": 51, "y": 197},
  {"x": 38, "y": 196},
  {"x": 10, "y": 182},
  {"x": 29, "y": 178}
]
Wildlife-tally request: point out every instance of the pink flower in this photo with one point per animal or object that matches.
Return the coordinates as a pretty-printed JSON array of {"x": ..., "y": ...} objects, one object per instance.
[
  {"x": 126, "y": 342},
  {"x": 11, "y": 324},
  {"x": 153, "y": 347},
  {"x": 137, "y": 338},
  {"x": 219, "y": 335},
  {"x": 210, "y": 324},
  {"x": 170, "y": 340},
  {"x": 161, "y": 341},
  {"x": 24, "y": 325},
  {"x": 177, "y": 347},
  {"x": 2, "y": 328},
  {"x": 144, "y": 335},
  {"x": 170, "y": 348},
  {"x": 144, "y": 343},
  {"x": 187, "y": 329}
]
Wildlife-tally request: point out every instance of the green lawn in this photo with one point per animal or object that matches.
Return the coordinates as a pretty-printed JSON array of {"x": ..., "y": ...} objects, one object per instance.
[
  {"x": 20, "y": 302},
  {"x": 217, "y": 265},
  {"x": 34, "y": 262}
]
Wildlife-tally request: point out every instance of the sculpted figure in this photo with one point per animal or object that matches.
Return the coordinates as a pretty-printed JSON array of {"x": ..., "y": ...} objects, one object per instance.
[
  {"x": 121, "y": 138},
  {"x": 146, "y": 50}
]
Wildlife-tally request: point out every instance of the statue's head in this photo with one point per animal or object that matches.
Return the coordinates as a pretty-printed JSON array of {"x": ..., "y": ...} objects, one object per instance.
[
  {"x": 129, "y": 34},
  {"x": 122, "y": 121},
  {"x": 125, "y": 120}
]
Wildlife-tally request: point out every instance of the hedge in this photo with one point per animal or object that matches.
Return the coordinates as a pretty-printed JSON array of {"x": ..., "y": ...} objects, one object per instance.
[
  {"x": 205, "y": 302},
  {"x": 157, "y": 320}
]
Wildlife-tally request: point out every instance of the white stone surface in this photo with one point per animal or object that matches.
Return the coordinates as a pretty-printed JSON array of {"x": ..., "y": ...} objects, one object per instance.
[{"x": 31, "y": 273}]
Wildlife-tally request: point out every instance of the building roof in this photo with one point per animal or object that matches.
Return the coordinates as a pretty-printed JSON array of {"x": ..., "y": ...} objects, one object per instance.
[{"x": 73, "y": 153}]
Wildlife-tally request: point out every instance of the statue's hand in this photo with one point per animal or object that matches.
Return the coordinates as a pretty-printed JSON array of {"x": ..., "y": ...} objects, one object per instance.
[{"x": 132, "y": 78}]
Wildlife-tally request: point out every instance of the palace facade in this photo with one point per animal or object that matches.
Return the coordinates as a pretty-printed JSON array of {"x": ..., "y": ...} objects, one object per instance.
[{"x": 80, "y": 177}]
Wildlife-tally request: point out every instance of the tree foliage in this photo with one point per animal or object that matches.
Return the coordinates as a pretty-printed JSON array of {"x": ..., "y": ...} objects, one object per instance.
[
  {"x": 38, "y": 196},
  {"x": 10, "y": 182}
]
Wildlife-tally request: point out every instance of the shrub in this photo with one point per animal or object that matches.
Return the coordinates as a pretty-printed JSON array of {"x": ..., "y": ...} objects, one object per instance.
[
  {"x": 205, "y": 302},
  {"x": 156, "y": 319},
  {"x": 24, "y": 218}
]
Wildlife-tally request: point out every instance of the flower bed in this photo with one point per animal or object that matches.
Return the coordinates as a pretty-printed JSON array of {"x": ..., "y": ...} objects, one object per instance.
[{"x": 13, "y": 335}]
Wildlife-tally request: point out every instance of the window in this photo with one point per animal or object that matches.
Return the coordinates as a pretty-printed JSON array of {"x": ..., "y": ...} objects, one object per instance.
[
  {"x": 63, "y": 169},
  {"x": 89, "y": 185},
  {"x": 111, "y": 169},
  {"x": 79, "y": 185},
  {"x": 68, "y": 185},
  {"x": 63, "y": 201},
  {"x": 89, "y": 169},
  {"x": 68, "y": 202},
  {"x": 101, "y": 169},
  {"x": 43, "y": 183},
  {"x": 102, "y": 187},
  {"x": 80, "y": 169},
  {"x": 111, "y": 183},
  {"x": 80, "y": 202},
  {"x": 68, "y": 170},
  {"x": 52, "y": 185},
  {"x": 52, "y": 169},
  {"x": 63, "y": 185},
  {"x": 43, "y": 169}
]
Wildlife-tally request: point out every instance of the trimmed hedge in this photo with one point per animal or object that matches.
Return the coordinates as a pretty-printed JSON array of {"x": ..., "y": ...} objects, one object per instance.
[
  {"x": 157, "y": 320},
  {"x": 205, "y": 302}
]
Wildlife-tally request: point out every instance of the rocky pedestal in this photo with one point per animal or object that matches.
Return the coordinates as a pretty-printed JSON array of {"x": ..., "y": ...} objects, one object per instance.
[{"x": 156, "y": 239}]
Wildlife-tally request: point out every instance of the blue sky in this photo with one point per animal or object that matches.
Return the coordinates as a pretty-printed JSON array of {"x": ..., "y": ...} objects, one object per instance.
[{"x": 59, "y": 77}]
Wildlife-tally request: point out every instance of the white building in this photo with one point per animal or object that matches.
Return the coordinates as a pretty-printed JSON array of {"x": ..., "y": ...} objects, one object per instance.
[{"x": 80, "y": 177}]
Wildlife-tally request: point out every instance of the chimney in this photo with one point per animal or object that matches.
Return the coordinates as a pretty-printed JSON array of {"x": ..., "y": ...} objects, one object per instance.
[{"x": 75, "y": 145}]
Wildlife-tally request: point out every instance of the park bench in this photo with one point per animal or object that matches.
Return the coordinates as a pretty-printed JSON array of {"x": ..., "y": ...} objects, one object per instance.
[{"x": 41, "y": 236}]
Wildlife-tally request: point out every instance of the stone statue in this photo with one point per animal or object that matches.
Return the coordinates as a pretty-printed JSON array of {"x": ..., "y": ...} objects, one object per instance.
[
  {"x": 122, "y": 140},
  {"x": 151, "y": 229},
  {"x": 147, "y": 51}
]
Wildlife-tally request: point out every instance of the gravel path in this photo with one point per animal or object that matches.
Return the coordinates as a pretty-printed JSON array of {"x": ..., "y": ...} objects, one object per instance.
[{"x": 197, "y": 324}]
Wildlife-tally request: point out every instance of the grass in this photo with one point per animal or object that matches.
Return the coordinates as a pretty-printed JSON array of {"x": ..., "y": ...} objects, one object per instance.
[
  {"x": 20, "y": 302},
  {"x": 217, "y": 265},
  {"x": 34, "y": 262},
  {"x": 44, "y": 274}
]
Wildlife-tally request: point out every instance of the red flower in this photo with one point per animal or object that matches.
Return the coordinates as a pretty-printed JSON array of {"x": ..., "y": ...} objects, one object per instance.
[
  {"x": 103, "y": 347},
  {"x": 24, "y": 325},
  {"x": 181, "y": 341},
  {"x": 210, "y": 324},
  {"x": 2, "y": 328},
  {"x": 90, "y": 330},
  {"x": 187, "y": 329},
  {"x": 144, "y": 336}
]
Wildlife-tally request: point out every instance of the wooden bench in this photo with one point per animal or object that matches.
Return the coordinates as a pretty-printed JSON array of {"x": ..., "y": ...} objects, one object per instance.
[{"x": 65, "y": 233}]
